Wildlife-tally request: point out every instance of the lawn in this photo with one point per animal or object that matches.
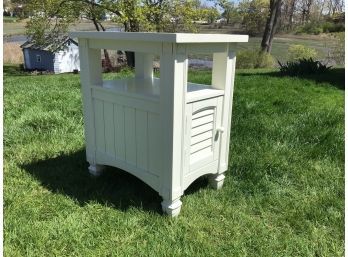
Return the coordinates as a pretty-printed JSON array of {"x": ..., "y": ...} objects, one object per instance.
[{"x": 283, "y": 193}]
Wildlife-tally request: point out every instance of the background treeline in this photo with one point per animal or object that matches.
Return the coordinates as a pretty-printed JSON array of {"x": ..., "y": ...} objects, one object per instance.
[
  {"x": 300, "y": 16},
  {"x": 48, "y": 20}
]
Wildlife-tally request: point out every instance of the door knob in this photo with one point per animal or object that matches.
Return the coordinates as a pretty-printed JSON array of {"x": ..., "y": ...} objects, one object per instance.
[{"x": 220, "y": 129}]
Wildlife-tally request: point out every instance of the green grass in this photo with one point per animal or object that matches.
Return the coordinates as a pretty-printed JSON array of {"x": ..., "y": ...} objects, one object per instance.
[
  {"x": 8, "y": 19},
  {"x": 281, "y": 45},
  {"x": 283, "y": 193}
]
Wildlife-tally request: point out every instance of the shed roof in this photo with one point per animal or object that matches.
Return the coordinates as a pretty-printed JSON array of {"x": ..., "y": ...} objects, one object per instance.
[{"x": 49, "y": 46}]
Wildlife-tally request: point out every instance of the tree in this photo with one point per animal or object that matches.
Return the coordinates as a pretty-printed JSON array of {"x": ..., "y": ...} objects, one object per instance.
[
  {"x": 227, "y": 9},
  {"x": 211, "y": 14},
  {"x": 271, "y": 25},
  {"x": 254, "y": 15},
  {"x": 182, "y": 15},
  {"x": 156, "y": 12},
  {"x": 95, "y": 13},
  {"x": 51, "y": 19}
]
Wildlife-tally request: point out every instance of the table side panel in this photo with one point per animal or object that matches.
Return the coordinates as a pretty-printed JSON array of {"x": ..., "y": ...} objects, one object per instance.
[
  {"x": 126, "y": 45},
  {"x": 127, "y": 132}
]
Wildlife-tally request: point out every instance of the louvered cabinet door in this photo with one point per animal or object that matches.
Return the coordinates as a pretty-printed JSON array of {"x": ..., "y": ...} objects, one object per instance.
[{"x": 203, "y": 120}]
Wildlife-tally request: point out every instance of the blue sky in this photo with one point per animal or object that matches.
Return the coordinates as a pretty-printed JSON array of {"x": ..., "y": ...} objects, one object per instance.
[{"x": 208, "y": 3}]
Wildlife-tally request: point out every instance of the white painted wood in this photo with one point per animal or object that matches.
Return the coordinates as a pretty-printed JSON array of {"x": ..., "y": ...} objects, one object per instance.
[
  {"x": 90, "y": 75},
  {"x": 217, "y": 137},
  {"x": 223, "y": 79},
  {"x": 96, "y": 170},
  {"x": 150, "y": 179},
  {"x": 187, "y": 141},
  {"x": 203, "y": 113},
  {"x": 123, "y": 99},
  {"x": 201, "y": 137},
  {"x": 204, "y": 139},
  {"x": 141, "y": 139},
  {"x": 127, "y": 45},
  {"x": 216, "y": 180},
  {"x": 119, "y": 124},
  {"x": 154, "y": 144},
  {"x": 209, "y": 168},
  {"x": 136, "y": 37},
  {"x": 207, "y": 104},
  {"x": 166, "y": 131},
  {"x": 202, "y": 129},
  {"x": 109, "y": 128},
  {"x": 130, "y": 136},
  {"x": 202, "y": 120},
  {"x": 201, "y": 146},
  {"x": 174, "y": 65},
  {"x": 99, "y": 125},
  {"x": 143, "y": 65}
]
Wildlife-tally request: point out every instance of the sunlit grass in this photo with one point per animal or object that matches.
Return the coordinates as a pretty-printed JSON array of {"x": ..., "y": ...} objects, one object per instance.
[{"x": 283, "y": 194}]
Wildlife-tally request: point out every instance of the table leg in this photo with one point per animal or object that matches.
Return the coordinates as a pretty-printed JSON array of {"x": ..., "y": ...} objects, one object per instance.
[
  {"x": 95, "y": 169},
  {"x": 172, "y": 208},
  {"x": 216, "y": 180}
]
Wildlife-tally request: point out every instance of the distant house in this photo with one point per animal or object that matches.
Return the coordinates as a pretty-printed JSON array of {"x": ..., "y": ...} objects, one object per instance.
[{"x": 64, "y": 58}]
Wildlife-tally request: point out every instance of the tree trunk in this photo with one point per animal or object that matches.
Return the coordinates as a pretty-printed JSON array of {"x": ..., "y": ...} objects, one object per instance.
[
  {"x": 271, "y": 25},
  {"x": 106, "y": 54},
  {"x": 130, "y": 59},
  {"x": 308, "y": 12},
  {"x": 291, "y": 13},
  {"x": 133, "y": 26}
]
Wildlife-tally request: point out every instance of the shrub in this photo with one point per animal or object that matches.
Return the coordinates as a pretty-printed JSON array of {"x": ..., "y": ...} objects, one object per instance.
[
  {"x": 310, "y": 28},
  {"x": 303, "y": 67},
  {"x": 249, "y": 59},
  {"x": 330, "y": 27},
  {"x": 297, "y": 52},
  {"x": 336, "y": 52}
]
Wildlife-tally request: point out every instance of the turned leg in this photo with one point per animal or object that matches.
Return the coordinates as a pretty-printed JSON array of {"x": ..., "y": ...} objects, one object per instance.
[
  {"x": 95, "y": 169},
  {"x": 172, "y": 208},
  {"x": 216, "y": 180}
]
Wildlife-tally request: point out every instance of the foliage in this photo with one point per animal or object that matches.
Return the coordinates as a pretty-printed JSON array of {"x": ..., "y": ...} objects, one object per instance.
[
  {"x": 310, "y": 28},
  {"x": 297, "y": 52},
  {"x": 337, "y": 48},
  {"x": 51, "y": 19},
  {"x": 132, "y": 14},
  {"x": 315, "y": 27},
  {"x": 228, "y": 9},
  {"x": 249, "y": 59},
  {"x": 330, "y": 27},
  {"x": 210, "y": 14},
  {"x": 156, "y": 15},
  {"x": 254, "y": 15},
  {"x": 291, "y": 196},
  {"x": 183, "y": 14},
  {"x": 303, "y": 67}
]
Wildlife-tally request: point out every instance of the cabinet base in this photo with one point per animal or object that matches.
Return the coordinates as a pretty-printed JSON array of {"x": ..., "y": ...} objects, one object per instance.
[
  {"x": 216, "y": 181},
  {"x": 96, "y": 170},
  {"x": 172, "y": 208}
]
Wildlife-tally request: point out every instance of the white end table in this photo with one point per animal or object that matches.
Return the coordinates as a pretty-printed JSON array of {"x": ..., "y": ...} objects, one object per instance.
[{"x": 165, "y": 131}]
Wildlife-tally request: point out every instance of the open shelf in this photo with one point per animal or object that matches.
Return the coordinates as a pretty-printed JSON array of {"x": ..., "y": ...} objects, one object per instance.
[{"x": 150, "y": 89}]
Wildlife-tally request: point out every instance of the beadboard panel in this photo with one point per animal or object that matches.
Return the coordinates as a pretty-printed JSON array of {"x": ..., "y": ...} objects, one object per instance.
[{"x": 128, "y": 134}]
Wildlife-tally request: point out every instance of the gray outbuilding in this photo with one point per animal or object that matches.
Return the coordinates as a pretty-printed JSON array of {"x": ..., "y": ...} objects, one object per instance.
[{"x": 57, "y": 59}]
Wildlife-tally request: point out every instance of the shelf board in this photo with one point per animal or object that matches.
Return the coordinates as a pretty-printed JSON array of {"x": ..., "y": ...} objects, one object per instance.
[{"x": 150, "y": 89}]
